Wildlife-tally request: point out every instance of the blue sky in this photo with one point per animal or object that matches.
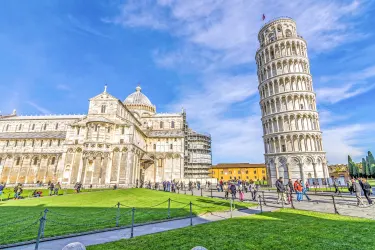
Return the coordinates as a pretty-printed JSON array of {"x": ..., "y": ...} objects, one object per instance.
[{"x": 55, "y": 55}]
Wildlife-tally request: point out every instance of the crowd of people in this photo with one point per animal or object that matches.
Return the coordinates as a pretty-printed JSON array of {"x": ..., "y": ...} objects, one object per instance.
[{"x": 358, "y": 186}]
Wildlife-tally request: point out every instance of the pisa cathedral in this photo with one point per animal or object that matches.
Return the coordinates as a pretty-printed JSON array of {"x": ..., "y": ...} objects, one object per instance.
[
  {"x": 291, "y": 131},
  {"x": 115, "y": 143}
]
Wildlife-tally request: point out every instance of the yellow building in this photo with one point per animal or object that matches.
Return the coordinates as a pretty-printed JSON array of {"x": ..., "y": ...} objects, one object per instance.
[{"x": 239, "y": 171}]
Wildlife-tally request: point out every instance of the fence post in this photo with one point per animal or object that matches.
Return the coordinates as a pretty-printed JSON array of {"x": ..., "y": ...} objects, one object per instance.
[
  {"x": 334, "y": 205},
  {"x": 44, "y": 221},
  {"x": 132, "y": 229},
  {"x": 178, "y": 190},
  {"x": 201, "y": 192},
  {"x": 260, "y": 204},
  {"x": 169, "y": 208},
  {"x": 118, "y": 214},
  {"x": 191, "y": 213},
  {"x": 231, "y": 208},
  {"x": 264, "y": 200},
  {"x": 191, "y": 191},
  {"x": 40, "y": 230},
  {"x": 282, "y": 199}
]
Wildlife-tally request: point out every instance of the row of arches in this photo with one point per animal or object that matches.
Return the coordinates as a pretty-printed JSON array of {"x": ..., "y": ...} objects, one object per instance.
[
  {"x": 288, "y": 123},
  {"x": 281, "y": 29},
  {"x": 285, "y": 84},
  {"x": 293, "y": 143},
  {"x": 288, "y": 103},
  {"x": 295, "y": 47},
  {"x": 283, "y": 67},
  {"x": 19, "y": 127}
]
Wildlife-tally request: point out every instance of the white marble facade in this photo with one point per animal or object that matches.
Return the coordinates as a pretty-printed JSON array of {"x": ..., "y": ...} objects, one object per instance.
[
  {"x": 291, "y": 131},
  {"x": 115, "y": 143}
]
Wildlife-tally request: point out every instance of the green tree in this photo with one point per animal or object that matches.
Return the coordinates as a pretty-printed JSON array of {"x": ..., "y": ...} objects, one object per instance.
[
  {"x": 364, "y": 167},
  {"x": 371, "y": 163},
  {"x": 350, "y": 166}
]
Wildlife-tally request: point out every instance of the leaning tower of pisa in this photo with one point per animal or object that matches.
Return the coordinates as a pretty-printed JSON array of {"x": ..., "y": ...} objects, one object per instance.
[{"x": 291, "y": 132}]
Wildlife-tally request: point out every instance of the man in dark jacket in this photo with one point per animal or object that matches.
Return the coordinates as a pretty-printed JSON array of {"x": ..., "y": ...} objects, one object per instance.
[
  {"x": 280, "y": 190},
  {"x": 367, "y": 190},
  {"x": 357, "y": 190}
]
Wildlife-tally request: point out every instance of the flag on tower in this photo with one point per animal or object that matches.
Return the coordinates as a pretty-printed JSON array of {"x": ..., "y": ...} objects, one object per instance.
[{"x": 263, "y": 17}]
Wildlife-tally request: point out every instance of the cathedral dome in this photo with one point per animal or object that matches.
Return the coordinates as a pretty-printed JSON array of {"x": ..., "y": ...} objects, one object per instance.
[
  {"x": 139, "y": 103},
  {"x": 138, "y": 98}
]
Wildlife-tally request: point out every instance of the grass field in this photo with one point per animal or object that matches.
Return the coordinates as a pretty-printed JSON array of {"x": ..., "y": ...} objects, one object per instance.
[
  {"x": 96, "y": 210},
  {"x": 286, "y": 229}
]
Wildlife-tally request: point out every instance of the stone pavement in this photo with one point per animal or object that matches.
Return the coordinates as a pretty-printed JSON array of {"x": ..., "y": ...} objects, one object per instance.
[
  {"x": 321, "y": 202},
  {"x": 104, "y": 237}
]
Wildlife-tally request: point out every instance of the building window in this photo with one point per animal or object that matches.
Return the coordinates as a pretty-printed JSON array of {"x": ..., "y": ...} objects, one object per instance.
[
  {"x": 45, "y": 126},
  {"x": 247, "y": 177},
  {"x": 41, "y": 143},
  {"x": 53, "y": 160},
  {"x": 18, "y": 161},
  {"x": 58, "y": 143},
  {"x": 230, "y": 177},
  {"x": 213, "y": 172},
  {"x": 35, "y": 161},
  {"x": 283, "y": 148},
  {"x": 239, "y": 171},
  {"x": 121, "y": 141},
  {"x": 7, "y": 143},
  {"x": 123, "y": 130},
  {"x": 20, "y": 127},
  {"x": 172, "y": 124},
  {"x": 161, "y": 124},
  {"x": 247, "y": 172},
  {"x": 76, "y": 142},
  {"x": 221, "y": 172},
  {"x": 230, "y": 172},
  {"x": 263, "y": 171},
  {"x": 96, "y": 128},
  {"x": 171, "y": 146},
  {"x": 24, "y": 143},
  {"x": 255, "y": 172},
  {"x": 32, "y": 143},
  {"x": 33, "y": 127},
  {"x": 50, "y": 143},
  {"x": 15, "y": 143},
  {"x": 109, "y": 129},
  {"x": 7, "y": 127},
  {"x": 222, "y": 177},
  {"x": 103, "y": 109},
  {"x": 154, "y": 146},
  {"x": 56, "y": 126},
  {"x": 301, "y": 106},
  {"x": 78, "y": 130}
]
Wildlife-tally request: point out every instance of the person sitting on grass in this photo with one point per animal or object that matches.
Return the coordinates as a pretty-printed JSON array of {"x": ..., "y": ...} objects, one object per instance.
[
  {"x": 37, "y": 193},
  {"x": 17, "y": 192}
]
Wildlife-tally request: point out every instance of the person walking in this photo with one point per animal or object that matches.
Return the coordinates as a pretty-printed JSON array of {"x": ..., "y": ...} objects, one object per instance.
[
  {"x": 240, "y": 192},
  {"x": 298, "y": 189},
  {"x": 2, "y": 187},
  {"x": 57, "y": 188},
  {"x": 290, "y": 190},
  {"x": 305, "y": 188},
  {"x": 255, "y": 191},
  {"x": 367, "y": 189},
  {"x": 221, "y": 185},
  {"x": 252, "y": 189},
  {"x": 226, "y": 190},
  {"x": 233, "y": 190},
  {"x": 335, "y": 185},
  {"x": 51, "y": 188},
  {"x": 357, "y": 189},
  {"x": 280, "y": 190}
]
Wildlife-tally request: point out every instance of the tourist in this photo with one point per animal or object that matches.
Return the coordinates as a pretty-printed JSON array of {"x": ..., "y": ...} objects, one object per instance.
[
  {"x": 199, "y": 185},
  {"x": 2, "y": 187},
  {"x": 357, "y": 189},
  {"x": 252, "y": 189},
  {"x": 51, "y": 187},
  {"x": 288, "y": 191},
  {"x": 218, "y": 187},
  {"x": 304, "y": 190},
  {"x": 233, "y": 190},
  {"x": 298, "y": 189},
  {"x": 221, "y": 185},
  {"x": 255, "y": 191},
  {"x": 367, "y": 189},
  {"x": 280, "y": 190},
  {"x": 57, "y": 188},
  {"x": 335, "y": 185},
  {"x": 240, "y": 192},
  {"x": 350, "y": 187},
  {"x": 37, "y": 193},
  {"x": 226, "y": 190}
]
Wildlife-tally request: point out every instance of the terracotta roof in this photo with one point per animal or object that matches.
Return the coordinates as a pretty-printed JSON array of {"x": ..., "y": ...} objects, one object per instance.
[{"x": 239, "y": 165}]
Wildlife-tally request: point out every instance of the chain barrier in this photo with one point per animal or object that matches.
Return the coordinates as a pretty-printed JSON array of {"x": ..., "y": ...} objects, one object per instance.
[
  {"x": 72, "y": 216},
  {"x": 20, "y": 231},
  {"x": 21, "y": 221}
]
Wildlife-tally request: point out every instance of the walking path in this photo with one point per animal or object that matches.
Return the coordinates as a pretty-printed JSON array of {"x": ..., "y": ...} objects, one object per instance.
[{"x": 104, "y": 237}]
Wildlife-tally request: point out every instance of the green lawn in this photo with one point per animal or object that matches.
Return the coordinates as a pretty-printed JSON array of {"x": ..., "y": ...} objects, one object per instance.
[
  {"x": 286, "y": 229},
  {"x": 95, "y": 210}
]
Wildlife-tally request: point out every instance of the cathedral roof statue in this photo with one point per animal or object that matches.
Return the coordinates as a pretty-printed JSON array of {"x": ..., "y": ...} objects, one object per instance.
[{"x": 138, "y": 98}]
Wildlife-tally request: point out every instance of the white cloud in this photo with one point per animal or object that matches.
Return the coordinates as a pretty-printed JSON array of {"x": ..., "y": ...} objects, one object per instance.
[
  {"x": 39, "y": 108},
  {"x": 341, "y": 141}
]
